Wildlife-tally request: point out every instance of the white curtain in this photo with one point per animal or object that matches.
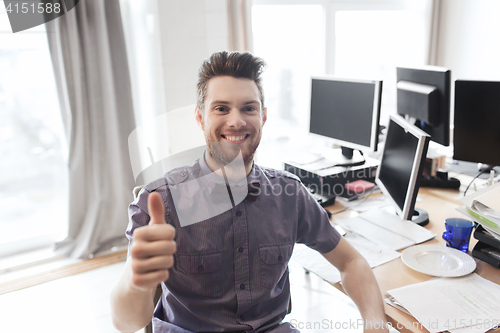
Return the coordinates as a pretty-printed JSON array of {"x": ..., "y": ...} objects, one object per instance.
[
  {"x": 240, "y": 25},
  {"x": 435, "y": 13},
  {"x": 88, "y": 53}
]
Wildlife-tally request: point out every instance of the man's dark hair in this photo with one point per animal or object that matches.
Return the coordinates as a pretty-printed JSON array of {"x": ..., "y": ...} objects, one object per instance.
[{"x": 234, "y": 64}]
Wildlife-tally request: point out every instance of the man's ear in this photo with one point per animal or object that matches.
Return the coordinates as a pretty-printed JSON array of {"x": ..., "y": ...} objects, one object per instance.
[
  {"x": 264, "y": 116},
  {"x": 198, "y": 116}
]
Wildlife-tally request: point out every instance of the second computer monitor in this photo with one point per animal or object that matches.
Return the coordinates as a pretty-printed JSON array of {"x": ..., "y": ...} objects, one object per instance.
[
  {"x": 424, "y": 95},
  {"x": 346, "y": 110}
]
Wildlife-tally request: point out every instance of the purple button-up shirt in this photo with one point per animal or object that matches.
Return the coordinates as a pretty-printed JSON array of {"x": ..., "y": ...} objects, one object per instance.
[{"x": 230, "y": 271}]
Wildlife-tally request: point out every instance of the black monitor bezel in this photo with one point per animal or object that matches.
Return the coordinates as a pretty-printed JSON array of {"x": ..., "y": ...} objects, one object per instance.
[{"x": 461, "y": 130}]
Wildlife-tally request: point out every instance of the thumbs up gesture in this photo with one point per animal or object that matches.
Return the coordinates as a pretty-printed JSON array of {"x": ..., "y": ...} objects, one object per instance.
[{"x": 152, "y": 248}]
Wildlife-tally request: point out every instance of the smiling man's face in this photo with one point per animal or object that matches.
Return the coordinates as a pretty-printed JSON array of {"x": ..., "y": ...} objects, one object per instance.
[{"x": 234, "y": 117}]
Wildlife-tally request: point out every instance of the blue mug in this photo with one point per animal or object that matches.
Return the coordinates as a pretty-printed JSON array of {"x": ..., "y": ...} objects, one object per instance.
[{"x": 457, "y": 234}]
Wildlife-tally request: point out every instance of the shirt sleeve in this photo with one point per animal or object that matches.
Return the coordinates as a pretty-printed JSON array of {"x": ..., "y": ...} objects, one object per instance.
[
  {"x": 137, "y": 214},
  {"x": 314, "y": 227}
]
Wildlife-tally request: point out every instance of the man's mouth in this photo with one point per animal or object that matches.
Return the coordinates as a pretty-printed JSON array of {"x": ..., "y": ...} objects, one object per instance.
[{"x": 235, "y": 138}]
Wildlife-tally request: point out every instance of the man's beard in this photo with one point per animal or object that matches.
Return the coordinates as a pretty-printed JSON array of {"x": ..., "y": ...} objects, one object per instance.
[{"x": 224, "y": 152}]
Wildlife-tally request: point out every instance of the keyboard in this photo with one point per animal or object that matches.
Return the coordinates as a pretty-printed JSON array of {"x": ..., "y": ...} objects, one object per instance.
[{"x": 387, "y": 229}]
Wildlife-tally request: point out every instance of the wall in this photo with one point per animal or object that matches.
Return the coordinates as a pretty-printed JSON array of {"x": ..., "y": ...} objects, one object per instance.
[
  {"x": 469, "y": 39},
  {"x": 190, "y": 31}
]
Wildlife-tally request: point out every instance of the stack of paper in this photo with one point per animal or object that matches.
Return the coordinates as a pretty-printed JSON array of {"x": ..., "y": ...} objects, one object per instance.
[
  {"x": 484, "y": 207},
  {"x": 469, "y": 303}
]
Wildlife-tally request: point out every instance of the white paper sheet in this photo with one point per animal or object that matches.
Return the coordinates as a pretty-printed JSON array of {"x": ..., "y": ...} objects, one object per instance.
[
  {"x": 386, "y": 229},
  {"x": 313, "y": 261},
  {"x": 452, "y": 303}
]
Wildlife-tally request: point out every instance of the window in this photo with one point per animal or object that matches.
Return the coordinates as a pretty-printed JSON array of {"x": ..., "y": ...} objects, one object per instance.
[
  {"x": 372, "y": 43},
  {"x": 33, "y": 171},
  {"x": 291, "y": 39},
  {"x": 352, "y": 39}
]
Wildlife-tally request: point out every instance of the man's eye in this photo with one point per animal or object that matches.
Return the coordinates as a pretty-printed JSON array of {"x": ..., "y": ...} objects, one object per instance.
[
  {"x": 249, "y": 109},
  {"x": 221, "y": 109}
]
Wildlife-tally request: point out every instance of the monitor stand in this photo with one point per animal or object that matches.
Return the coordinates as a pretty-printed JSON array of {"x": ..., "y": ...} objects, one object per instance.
[
  {"x": 343, "y": 157},
  {"x": 329, "y": 158},
  {"x": 420, "y": 216}
]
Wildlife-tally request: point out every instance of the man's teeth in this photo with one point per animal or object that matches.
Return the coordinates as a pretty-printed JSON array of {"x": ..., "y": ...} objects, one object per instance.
[{"x": 235, "y": 138}]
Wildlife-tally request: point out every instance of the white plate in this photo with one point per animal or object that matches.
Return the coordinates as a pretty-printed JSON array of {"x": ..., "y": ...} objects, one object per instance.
[{"x": 438, "y": 260}]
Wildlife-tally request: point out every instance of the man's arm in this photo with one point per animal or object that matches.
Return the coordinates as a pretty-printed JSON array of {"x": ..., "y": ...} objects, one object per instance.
[
  {"x": 151, "y": 255},
  {"x": 360, "y": 284}
]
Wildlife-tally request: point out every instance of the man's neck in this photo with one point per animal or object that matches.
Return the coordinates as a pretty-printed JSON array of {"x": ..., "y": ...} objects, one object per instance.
[{"x": 224, "y": 171}]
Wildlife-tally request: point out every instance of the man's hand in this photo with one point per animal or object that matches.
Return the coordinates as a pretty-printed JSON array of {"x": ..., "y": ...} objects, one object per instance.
[{"x": 152, "y": 248}]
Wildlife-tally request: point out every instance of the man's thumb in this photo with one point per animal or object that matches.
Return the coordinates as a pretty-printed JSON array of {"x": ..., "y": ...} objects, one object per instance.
[{"x": 156, "y": 209}]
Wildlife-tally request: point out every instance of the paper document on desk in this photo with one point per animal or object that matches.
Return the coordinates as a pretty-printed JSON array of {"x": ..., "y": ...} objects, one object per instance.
[
  {"x": 375, "y": 255},
  {"x": 444, "y": 304},
  {"x": 491, "y": 200},
  {"x": 482, "y": 206},
  {"x": 387, "y": 229},
  {"x": 313, "y": 261}
]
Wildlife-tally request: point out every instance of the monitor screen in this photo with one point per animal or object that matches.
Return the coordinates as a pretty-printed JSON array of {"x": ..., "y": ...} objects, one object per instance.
[
  {"x": 347, "y": 111},
  {"x": 401, "y": 165},
  {"x": 476, "y": 133},
  {"x": 423, "y": 94}
]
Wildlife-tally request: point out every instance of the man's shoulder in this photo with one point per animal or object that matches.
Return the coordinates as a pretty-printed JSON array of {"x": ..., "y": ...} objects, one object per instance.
[
  {"x": 277, "y": 174},
  {"x": 173, "y": 177},
  {"x": 183, "y": 173}
]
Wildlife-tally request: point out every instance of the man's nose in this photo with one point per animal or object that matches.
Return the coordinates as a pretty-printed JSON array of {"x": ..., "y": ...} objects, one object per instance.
[{"x": 236, "y": 119}]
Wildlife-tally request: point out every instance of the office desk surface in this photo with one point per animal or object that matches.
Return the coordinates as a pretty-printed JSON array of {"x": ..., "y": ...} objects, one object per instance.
[{"x": 440, "y": 204}]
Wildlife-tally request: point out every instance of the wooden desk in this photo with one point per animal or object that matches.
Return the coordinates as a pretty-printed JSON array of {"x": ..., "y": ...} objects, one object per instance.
[{"x": 440, "y": 204}]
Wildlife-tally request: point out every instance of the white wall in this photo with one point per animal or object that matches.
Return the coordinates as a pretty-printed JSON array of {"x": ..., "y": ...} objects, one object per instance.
[
  {"x": 469, "y": 39},
  {"x": 191, "y": 30}
]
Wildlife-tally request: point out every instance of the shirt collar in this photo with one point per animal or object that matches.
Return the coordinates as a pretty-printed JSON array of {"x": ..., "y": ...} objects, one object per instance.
[{"x": 212, "y": 177}]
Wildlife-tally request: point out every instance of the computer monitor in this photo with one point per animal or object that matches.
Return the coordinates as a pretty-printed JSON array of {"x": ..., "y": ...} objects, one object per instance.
[
  {"x": 476, "y": 133},
  {"x": 348, "y": 111},
  {"x": 401, "y": 167},
  {"x": 423, "y": 94}
]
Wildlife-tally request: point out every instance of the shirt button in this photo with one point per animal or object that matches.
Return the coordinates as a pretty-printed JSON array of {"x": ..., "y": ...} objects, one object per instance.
[
  {"x": 240, "y": 250},
  {"x": 238, "y": 213},
  {"x": 280, "y": 258},
  {"x": 183, "y": 174},
  {"x": 242, "y": 318},
  {"x": 201, "y": 268},
  {"x": 242, "y": 286}
]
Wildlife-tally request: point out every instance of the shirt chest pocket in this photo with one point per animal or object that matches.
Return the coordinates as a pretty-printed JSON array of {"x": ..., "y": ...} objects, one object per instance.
[
  {"x": 274, "y": 263},
  {"x": 200, "y": 273}
]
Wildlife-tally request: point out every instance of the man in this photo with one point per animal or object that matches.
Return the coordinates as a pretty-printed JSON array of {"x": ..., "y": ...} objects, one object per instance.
[{"x": 229, "y": 272}]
